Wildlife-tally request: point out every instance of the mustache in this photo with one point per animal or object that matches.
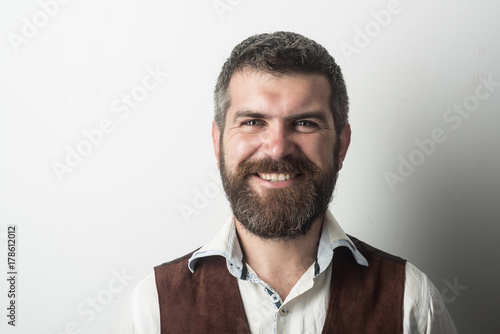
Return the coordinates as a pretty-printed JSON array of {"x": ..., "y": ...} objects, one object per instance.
[{"x": 285, "y": 165}]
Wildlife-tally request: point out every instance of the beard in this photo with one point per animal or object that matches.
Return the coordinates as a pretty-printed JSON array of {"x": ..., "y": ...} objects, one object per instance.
[{"x": 280, "y": 213}]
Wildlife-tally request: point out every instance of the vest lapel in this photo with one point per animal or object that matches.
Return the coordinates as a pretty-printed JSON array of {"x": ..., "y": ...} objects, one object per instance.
[
  {"x": 365, "y": 299},
  {"x": 207, "y": 301}
]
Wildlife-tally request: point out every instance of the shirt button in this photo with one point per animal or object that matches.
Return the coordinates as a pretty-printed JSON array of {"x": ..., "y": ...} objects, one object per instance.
[
  {"x": 274, "y": 298},
  {"x": 283, "y": 312}
]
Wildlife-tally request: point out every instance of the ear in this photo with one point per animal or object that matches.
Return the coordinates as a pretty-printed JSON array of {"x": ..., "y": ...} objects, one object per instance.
[
  {"x": 345, "y": 141},
  {"x": 216, "y": 141}
]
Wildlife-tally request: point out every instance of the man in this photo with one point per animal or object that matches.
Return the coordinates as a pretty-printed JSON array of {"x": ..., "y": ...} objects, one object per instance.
[{"x": 282, "y": 263}]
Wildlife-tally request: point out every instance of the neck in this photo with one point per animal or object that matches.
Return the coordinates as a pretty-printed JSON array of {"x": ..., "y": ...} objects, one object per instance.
[{"x": 280, "y": 263}]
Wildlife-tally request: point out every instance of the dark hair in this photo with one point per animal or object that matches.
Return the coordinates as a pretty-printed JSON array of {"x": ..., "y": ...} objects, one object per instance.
[{"x": 283, "y": 53}]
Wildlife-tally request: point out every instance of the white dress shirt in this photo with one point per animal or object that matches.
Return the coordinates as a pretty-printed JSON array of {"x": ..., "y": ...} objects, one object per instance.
[{"x": 304, "y": 309}]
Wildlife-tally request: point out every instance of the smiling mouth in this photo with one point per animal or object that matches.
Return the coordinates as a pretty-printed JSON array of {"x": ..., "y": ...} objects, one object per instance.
[{"x": 276, "y": 177}]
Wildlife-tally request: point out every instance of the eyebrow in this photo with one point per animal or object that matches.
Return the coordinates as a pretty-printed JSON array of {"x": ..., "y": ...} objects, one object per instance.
[
  {"x": 249, "y": 114},
  {"x": 318, "y": 115}
]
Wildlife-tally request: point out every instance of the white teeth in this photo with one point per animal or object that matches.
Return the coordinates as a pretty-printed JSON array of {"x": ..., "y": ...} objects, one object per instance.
[{"x": 275, "y": 177}]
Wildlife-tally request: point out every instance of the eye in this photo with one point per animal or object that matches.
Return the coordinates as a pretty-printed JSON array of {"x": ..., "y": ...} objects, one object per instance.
[
  {"x": 252, "y": 122},
  {"x": 306, "y": 123},
  {"x": 306, "y": 126}
]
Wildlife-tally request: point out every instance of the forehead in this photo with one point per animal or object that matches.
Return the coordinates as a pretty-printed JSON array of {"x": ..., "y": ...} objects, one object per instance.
[{"x": 285, "y": 94}]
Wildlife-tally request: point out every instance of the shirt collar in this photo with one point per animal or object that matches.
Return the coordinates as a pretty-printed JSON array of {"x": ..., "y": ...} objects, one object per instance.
[{"x": 226, "y": 244}]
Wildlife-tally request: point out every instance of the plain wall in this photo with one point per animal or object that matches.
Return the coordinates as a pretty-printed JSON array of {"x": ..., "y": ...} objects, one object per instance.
[{"x": 421, "y": 178}]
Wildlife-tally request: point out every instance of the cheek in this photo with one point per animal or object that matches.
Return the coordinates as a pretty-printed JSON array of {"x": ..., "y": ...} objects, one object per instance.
[
  {"x": 238, "y": 149},
  {"x": 320, "y": 151}
]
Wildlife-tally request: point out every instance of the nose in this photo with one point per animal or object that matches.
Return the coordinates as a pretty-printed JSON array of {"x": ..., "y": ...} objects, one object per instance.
[{"x": 278, "y": 142}]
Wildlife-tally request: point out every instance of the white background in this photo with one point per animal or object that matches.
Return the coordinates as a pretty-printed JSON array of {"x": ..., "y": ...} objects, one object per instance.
[{"x": 119, "y": 210}]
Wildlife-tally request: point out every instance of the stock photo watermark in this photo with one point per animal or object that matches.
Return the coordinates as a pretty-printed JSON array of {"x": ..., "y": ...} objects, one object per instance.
[
  {"x": 94, "y": 137},
  {"x": 202, "y": 197},
  {"x": 31, "y": 26},
  {"x": 454, "y": 118},
  {"x": 372, "y": 29},
  {"x": 89, "y": 309},
  {"x": 449, "y": 294},
  {"x": 222, "y": 7},
  {"x": 452, "y": 290},
  {"x": 12, "y": 275}
]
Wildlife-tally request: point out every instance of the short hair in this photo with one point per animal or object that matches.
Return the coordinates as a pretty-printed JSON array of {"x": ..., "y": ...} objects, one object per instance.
[{"x": 282, "y": 53}]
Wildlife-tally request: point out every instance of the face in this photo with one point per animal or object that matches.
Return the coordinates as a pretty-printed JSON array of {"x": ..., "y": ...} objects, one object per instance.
[{"x": 279, "y": 153}]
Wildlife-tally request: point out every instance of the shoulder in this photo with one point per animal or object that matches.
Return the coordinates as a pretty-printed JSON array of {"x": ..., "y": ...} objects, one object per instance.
[
  {"x": 370, "y": 251},
  {"x": 179, "y": 260},
  {"x": 424, "y": 308},
  {"x": 141, "y": 311},
  {"x": 179, "y": 265}
]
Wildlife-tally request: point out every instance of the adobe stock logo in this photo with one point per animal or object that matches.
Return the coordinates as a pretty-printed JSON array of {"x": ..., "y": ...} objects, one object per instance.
[
  {"x": 31, "y": 27},
  {"x": 122, "y": 107},
  {"x": 372, "y": 29},
  {"x": 222, "y": 7},
  {"x": 89, "y": 309},
  {"x": 449, "y": 294},
  {"x": 454, "y": 116},
  {"x": 202, "y": 197}
]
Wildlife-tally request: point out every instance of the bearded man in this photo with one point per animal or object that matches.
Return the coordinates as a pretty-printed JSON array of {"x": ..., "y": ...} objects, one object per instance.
[{"x": 282, "y": 263}]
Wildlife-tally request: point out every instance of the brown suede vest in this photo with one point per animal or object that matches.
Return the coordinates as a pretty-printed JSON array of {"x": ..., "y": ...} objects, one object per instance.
[{"x": 362, "y": 299}]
